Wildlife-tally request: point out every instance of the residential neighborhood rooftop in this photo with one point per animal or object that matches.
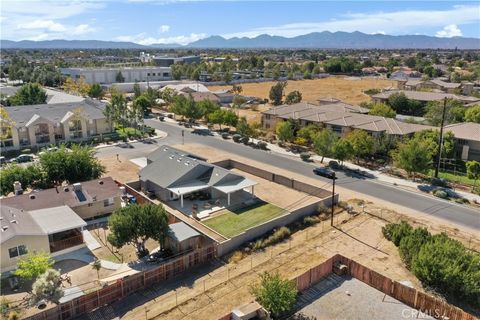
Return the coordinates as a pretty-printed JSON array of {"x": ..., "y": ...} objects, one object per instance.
[
  {"x": 465, "y": 130},
  {"x": 425, "y": 96}
]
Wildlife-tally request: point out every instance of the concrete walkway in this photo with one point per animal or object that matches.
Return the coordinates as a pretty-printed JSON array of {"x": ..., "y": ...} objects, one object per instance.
[
  {"x": 85, "y": 255},
  {"x": 90, "y": 241},
  {"x": 158, "y": 135}
]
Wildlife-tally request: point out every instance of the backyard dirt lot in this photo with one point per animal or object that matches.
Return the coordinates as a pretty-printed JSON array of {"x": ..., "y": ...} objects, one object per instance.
[{"x": 347, "y": 89}]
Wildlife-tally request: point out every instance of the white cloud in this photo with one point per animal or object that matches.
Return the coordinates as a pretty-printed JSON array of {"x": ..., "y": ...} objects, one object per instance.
[
  {"x": 396, "y": 22},
  {"x": 164, "y": 28},
  {"x": 48, "y": 25},
  {"x": 143, "y": 38},
  {"x": 452, "y": 30},
  {"x": 82, "y": 29}
]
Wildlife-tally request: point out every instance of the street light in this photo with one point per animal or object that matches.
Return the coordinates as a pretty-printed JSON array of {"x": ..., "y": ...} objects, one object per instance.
[{"x": 333, "y": 177}]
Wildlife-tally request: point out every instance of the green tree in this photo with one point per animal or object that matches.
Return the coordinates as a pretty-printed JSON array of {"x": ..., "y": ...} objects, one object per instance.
[
  {"x": 227, "y": 77},
  {"x": 308, "y": 133},
  {"x": 276, "y": 92},
  {"x": 223, "y": 116},
  {"x": 116, "y": 109},
  {"x": 143, "y": 103},
  {"x": 454, "y": 112},
  {"x": 168, "y": 95},
  {"x": 28, "y": 94},
  {"x": 32, "y": 176},
  {"x": 342, "y": 150},
  {"x": 95, "y": 91},
  {"x": 362, "y": 143},
  {"x": 324, "y": 143},
  {"x": 33, "y": 265},
  {"x": 48, "y": 287},
  {"x": 473, "y": 171},
  {"x": 285, "y": 131},
  {"x": 230, "y": 118},
  {"x": 243, "y": 128},
  {"x": 74, "y": 165},
  {"x": 382, "y": 110},
  {"x": 137, "y": 91},
  {"x": 293, "y": 97},
  {"x": 472, "y": 114},
  {"x": 275, "y": 294},
  {"x": 135, "y": 224},
  {"x": 207, "y": 106},
  {"x": 97, "y": 265},
  {"x": 402, "y": 105},
  {"x": 414, "y": 156},
  {"x": 119, "y": 77}
]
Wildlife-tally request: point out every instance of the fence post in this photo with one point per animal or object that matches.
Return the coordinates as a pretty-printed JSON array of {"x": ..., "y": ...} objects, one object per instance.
[{"x": 121, "y": 285}]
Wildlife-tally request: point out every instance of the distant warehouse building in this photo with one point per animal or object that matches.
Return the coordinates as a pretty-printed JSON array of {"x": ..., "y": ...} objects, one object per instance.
[
  {"x": 166, "y": 61},
  {"x": 110, "y": 75}
]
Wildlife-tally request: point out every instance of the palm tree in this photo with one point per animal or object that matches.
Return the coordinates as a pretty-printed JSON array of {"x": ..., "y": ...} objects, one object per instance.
[{"x": 97, "y": 265}]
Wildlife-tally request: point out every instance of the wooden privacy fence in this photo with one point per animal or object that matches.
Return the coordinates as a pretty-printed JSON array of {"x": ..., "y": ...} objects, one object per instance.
[
  {"x": 413, "y": 298},
  {"x": 125, "y": 286}
]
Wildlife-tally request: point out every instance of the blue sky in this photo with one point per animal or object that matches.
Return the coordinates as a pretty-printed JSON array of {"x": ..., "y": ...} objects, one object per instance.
[{"x": 184, "y": 21}]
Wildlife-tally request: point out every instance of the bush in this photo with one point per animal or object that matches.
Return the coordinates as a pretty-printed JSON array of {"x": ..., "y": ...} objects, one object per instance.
[
  {"x": 396, "y": 231},
  {"x": 305, "y": 156},
  {"x": 461, "y": 200},
  {"x": 244, "y": 140},
  {"x": 440, "y": 194},
  {"x": 4, "y": 306},
  {"x": 225, "y": 135},
  {"x": 278, "y": 236},
  {"x": 262, "y": 145},
  {"x": 439, "y": 182},
  {"x": 236, "y": 138},
  {"x": 439, "y": 262},
  {"x": 311, "y": 220}
]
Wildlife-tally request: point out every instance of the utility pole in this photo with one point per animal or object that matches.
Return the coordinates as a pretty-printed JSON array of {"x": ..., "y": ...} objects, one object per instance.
[
  {"x": 333, "y": 198},
  {"x": 440, "y": 140},
  {"x": 183, "y": 137}
]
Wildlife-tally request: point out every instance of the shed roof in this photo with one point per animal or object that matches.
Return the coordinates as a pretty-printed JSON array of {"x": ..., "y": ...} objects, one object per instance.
[
  {"x": 57, "y": 219},
  {"x": 180, "y": 231}
]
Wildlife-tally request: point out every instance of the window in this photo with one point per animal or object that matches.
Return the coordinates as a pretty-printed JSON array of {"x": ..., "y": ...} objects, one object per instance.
[
  {"x": 17, "y": 251},
  {"x": 108, "y": 202}
]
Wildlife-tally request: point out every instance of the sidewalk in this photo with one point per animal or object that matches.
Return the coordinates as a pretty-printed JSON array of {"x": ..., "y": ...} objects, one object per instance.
[
  {"x": 377, "y": 175},
  {"x": 159, "y": 134}
]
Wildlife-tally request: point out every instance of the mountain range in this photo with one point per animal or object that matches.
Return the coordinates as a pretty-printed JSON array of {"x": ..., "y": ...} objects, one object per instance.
[{"x": 320, "y": 40}]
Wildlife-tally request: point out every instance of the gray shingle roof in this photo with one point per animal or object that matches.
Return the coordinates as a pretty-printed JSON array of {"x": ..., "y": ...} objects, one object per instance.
[
  {"x": 465, "y": 131},
  {"x": 21, "y": 115},
  {"x": 180, "y": 231},
  {"x": 177, "y": 170},
  {"x": 17, "y": 222},
  {"x": 425, "y": 96}
]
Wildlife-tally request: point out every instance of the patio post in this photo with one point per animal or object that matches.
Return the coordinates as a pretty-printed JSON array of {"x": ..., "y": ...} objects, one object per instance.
[
  {"x": 228, "y": 198},
  {"x": 181, "y": 200},
  {"x": 253, "y": 192}
]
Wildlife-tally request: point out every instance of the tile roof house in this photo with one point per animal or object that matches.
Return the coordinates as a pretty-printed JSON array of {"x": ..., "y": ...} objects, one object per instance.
[
  {"x": 44, "y": 124},
  {"x": 339, "y": 117},
  {"x": 467, "y": 137},
  {"x": 424, "y": 96},
  {"x": 172, "y": 174}
]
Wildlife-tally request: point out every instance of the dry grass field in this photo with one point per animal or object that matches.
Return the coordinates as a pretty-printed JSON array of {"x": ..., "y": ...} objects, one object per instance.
[{"x": 347, "y": 89}]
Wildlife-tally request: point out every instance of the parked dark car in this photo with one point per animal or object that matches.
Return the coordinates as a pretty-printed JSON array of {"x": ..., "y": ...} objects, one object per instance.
[{"x": 325, "y": 172}]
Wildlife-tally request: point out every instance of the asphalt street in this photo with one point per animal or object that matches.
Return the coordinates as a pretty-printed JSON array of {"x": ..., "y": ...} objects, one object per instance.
[{"x": 459, "y": 214}]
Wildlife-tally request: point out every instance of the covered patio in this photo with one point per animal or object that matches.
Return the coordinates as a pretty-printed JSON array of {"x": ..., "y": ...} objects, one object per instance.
[{"x": 199, "y": 200}]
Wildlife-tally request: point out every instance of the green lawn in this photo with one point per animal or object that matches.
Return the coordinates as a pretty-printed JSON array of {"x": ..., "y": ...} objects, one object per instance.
[{"x": 230, "y": 223}]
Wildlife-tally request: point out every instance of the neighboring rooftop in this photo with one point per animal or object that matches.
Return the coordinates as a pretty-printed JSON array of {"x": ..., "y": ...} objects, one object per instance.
[
  {"x": 425, "y": 96},
  {"x": 187, "y": 87},
  {"x": 91, "y": 191},
  {"x": 54, "y": 96},
  {"x": 465, "y": 130},
  {"x": 15, "y": 222},
  {"x": 180, "y": 231},
  {"x": 22, "y": 115}
]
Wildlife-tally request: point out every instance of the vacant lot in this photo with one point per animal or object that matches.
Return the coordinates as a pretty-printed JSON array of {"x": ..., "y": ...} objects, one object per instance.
[
  {"x": 349, "y": 90},
  {"x": 230, "y": 223}
]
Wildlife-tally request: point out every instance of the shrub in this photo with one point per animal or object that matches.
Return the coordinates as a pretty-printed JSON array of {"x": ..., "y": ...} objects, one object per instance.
[
  {"x": 258, "y": 245},
  {"x": 305, "y": 156},
  {"x": 225, "y": 135},
  {"x": 107, "y": 140},
  {"x": 343, "y": 205},
  {"x": 396, "y": 231},
  {"x": 439, "y": 182},
  {"x": 4, "y": 306},
  {"x": 461, "y": 200},
  {"x": 311, "y": 220},
  {"x": 278, "y": 236},
  {"x": 236, "y": 138},
  {"x": 244, "y": 140},
  {"x": 409, "y": 245},
  {"x": 262, "y": 145},
  {"x": 440, "y": 194}
]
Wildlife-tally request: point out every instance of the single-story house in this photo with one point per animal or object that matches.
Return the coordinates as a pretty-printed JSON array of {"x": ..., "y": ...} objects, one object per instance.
[
  {"x": 467, "y": 138},
  {"x": 89, "y": 199},
  {"x": 173, "y": 174},
  {"x": 44, "y": 124},
  {"x": 182, "y": 237},
  {"x": 436, "y": 84},
  {"x": 186, "y": 87},
  {"x": 340, "y": 118},
  {"x": 201, "y": 96},
  {"x": 424, "y": 96},
  {"x": 55, "y": 230}
]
